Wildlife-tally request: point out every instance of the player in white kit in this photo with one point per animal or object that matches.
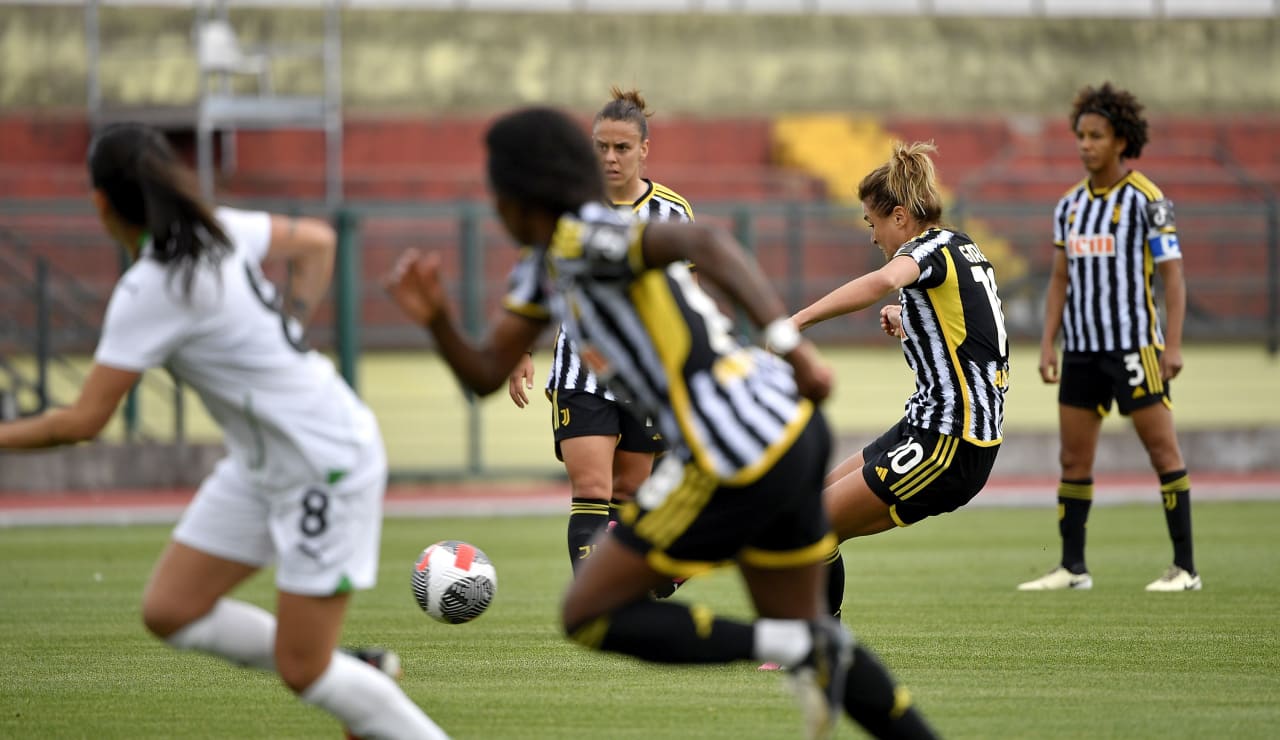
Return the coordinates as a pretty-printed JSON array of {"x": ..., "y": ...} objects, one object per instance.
[{"x": 303, "y": 481}]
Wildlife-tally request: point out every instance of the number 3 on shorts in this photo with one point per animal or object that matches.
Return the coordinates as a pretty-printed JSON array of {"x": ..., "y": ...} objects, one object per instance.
[{"x": 1133, "y": 363}]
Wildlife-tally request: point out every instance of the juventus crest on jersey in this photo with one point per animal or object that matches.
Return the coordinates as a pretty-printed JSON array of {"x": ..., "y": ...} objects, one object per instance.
[
  {"x": 1113, "y": 239},
  {"x": 955, "y": 338}
]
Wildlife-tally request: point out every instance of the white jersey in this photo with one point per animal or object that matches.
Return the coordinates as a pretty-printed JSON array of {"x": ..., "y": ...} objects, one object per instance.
[{"x": 287, "y": 417}]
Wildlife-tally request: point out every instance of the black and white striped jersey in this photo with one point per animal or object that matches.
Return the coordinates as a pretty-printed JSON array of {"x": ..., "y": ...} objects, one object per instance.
[
  {"x": 662, "y": 345},
  {"x": 955, "y": 339},
  {"x": 659, "y": 203},
  {"x": 1113, "y": 239}
]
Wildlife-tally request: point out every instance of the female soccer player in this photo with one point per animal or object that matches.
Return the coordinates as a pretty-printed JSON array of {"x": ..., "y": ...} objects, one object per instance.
[
  {"x": 303, "y": 482},
  {"x": 747, "y": 447},
  {"x": 1112, "y": 232},
  {"x": 949, "y": 320},
  {"x": 607, "y": 452}
]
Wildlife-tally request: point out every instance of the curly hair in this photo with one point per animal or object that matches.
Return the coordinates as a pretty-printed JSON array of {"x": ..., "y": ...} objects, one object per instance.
[
  {"x": 1121, "y": 108},
  {"x": 542, "y": 157}
]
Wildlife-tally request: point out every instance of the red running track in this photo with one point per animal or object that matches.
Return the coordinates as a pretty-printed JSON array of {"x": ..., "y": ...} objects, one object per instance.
[{"x": 552, "y": 497}]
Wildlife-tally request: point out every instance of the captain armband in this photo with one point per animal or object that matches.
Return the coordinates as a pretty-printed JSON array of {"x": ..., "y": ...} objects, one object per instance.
[{"x": 1162, "y": 235}]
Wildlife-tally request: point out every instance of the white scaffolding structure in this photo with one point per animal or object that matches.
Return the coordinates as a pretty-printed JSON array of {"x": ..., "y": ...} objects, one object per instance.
[{"x": 221, "y": 107}]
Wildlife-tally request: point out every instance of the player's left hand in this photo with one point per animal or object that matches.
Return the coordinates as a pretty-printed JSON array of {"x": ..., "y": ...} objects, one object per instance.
[
  {"x": 415, "y": 285},
  {"x": 1170, "y": 363},
  {"x": 891, "y": 321}
]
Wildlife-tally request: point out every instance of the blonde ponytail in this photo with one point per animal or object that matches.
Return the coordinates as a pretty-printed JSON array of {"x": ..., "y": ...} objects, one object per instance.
[{"x": 908, "y": 179}]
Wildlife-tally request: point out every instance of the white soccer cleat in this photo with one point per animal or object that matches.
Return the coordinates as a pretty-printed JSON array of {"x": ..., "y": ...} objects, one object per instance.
[
  {"x": 1176, "y": 579},
  {"x": 1059, "y": 579}
]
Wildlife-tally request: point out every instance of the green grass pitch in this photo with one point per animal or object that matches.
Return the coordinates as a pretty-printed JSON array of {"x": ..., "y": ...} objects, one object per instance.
[{"x": 937, "y": 601}]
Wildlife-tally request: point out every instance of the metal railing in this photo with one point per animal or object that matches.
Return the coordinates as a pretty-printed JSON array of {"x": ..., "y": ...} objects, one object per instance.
[
  {"x": 51, "y": 315},
  {"x": 806, "y": 248}
]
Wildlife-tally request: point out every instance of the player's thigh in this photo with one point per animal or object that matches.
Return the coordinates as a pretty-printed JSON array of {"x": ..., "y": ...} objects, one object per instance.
[
  {"x": 1078, "y": 430},
  {"x": 588, "y": 461},
  {"x": 1154, "y": 425},
  {"x": 221, "y": 539},
  {"x": 854, "y": 509},
  {"x": 307, "y": 632},
  {"x": 850, "y": 464},
  {"x": 185, "y": 585},
  {"x": 630, "y": 469},
  {"x": 791, "y": 593}
]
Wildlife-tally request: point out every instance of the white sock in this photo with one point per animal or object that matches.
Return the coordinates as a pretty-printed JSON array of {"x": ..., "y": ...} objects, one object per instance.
[
  {"x": 369, "y": 702},
  {"x": 241, "y": 633},
  {"x": 782, "y": 641}
]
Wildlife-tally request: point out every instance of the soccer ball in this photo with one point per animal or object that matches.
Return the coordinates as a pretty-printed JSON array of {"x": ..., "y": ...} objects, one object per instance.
[{"x": 454, "y": 581}]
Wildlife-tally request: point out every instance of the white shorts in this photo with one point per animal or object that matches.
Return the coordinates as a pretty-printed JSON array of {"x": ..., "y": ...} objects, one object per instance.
[{"x": 323, "y": 537}]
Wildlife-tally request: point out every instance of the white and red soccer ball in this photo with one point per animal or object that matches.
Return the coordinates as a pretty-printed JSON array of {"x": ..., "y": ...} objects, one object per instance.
[{"x": 454, "y": 582}]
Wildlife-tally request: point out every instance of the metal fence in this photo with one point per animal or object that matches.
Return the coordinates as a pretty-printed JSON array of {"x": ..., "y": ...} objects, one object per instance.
[{"x": 59, "y": 270}]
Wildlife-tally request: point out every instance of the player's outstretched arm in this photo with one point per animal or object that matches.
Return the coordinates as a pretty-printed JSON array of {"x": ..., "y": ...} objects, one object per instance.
[
  {"x": 720, "y": 260},
  {"x": 483, "y": 368},
  {"x": 101, "y": 394},
  {"x": 860, "y": 292}
]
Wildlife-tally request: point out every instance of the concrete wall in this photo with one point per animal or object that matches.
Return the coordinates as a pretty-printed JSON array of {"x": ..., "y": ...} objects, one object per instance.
[{"x": 452, "y": 62}]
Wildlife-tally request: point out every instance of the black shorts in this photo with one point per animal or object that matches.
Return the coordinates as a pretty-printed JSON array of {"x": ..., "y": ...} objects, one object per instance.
[
  {"x": 684, "y": 521},
  {"x": 920, "y": 473},
  {"x": 582, "y": 414},
  {"x": 1091, "y": 380}
]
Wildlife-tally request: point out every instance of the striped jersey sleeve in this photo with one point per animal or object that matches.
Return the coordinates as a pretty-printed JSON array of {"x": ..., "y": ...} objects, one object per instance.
[{"x": 527, "y": 293}]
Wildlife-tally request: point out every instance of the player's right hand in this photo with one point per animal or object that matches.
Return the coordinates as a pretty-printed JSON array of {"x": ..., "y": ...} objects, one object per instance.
[
  {"x": 521, "y": 380},
  {"x": 1049, "y": 365},
  {"x": 414, "y": 284},
  {"x": 814, "y": 377}
]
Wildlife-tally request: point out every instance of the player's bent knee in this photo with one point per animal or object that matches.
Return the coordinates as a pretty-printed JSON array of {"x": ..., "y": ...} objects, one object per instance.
[
  {"x": 299, "y": 672},
  {"x": 164, "y": 618},
  {"x": 591, "y": 489},
  {"x": 1075, "y": 464}
]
